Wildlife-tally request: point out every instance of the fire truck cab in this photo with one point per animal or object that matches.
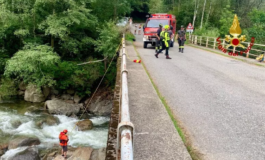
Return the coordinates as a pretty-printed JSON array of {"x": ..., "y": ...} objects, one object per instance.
[{"x": 152, "y": 24}]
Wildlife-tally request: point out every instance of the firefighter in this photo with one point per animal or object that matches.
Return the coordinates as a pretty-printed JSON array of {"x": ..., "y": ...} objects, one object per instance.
[
  {"x": 170, "y": 32},
  {"x": 164, "y": 36},
  {"x": 158, "y": 41},
  {"x": 63, "y": 142},
  {"x": 181, "y": 37}
]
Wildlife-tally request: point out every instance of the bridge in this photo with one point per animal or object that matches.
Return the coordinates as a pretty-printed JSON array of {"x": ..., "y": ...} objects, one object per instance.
[{"x": 201, "y": 104}]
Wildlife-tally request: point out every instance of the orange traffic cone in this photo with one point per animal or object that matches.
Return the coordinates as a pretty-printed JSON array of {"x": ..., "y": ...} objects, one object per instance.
[{"x": 137, "y": 61}]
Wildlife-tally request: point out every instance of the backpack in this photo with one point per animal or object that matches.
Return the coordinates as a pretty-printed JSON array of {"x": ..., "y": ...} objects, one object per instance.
[{"x": 62, "y": 141}]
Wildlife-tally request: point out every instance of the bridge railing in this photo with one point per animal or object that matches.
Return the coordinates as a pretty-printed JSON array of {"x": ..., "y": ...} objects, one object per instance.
[
  {"x": 125, "y": 127},
  {"x": 211, "y": 42}
]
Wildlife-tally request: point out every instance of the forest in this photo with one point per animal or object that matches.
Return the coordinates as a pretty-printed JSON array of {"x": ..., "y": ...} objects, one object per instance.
[
  {"x": 42, "y": 41},
  {"x": 213, "y": 18}
]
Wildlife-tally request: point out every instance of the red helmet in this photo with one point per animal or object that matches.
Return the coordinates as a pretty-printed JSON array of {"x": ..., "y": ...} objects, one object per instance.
[{"x": 65, "y": 131}]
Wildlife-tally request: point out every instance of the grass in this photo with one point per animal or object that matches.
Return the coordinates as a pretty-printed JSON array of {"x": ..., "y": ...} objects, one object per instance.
[
  {"x": 195, "y": 155},
  {"x": 129, "y": 37}
]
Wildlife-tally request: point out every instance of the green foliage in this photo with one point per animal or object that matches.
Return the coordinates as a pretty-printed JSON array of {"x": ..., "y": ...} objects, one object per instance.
[
  {"x": 257, "y": 29},
  {"x": 33, "y": 64},
  {"x": 7, "y": 88},
  {"x": 109, "y": 39},
  {"x": 157, "y": 6},
  {"x": 226, "y": 21},
  {"x": 129, "y": 36},
  {"x": 208, "y": 32},
  {"x": 70, "y": 75}
]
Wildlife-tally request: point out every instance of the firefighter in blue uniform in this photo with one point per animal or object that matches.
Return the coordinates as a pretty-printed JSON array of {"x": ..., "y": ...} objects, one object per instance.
[{"x": 164, "y": 36}]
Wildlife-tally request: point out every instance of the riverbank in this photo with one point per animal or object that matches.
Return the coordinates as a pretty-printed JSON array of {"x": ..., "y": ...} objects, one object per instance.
[{"x": 23, "y": 119}]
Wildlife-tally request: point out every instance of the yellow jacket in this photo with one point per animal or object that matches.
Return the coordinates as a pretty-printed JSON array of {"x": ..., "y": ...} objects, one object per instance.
[{"x": 165, "y": 37}]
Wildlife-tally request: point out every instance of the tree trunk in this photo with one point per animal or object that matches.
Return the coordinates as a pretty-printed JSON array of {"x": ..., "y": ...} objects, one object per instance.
[
  {"x": 203, "y": 13},
  {"x": 209, "y": 11},
  {"x": 195, "y": 11}
]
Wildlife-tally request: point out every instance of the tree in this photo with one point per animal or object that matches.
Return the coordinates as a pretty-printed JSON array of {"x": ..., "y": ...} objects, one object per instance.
[
  {"x": 195, "y": 11},
  {"x": 226, "y": 21},
  {"x": 257, "y": 28},
  {"x": 203, "y": 13},
  {"x": 34, "y": 64}
]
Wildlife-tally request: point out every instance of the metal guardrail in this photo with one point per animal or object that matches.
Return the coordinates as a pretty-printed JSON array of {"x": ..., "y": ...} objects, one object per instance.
[
  {"x": 210, "y": 42},
  {"x": 125, "y": 127}
]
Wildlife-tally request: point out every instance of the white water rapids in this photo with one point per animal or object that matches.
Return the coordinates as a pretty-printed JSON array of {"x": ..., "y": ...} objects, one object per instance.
[{"x": 48, "y": 135}]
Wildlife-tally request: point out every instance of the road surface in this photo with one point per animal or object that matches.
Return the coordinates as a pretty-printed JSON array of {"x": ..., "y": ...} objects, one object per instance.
[{"x": 219, "y": 100}]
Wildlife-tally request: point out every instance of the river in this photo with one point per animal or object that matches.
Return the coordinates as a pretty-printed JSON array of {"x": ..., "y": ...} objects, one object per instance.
[{"x": 15, "y": 112}]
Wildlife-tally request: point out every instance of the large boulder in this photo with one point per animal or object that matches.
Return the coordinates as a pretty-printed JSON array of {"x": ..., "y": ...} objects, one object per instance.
[
  {"x": 46, "y": 119},
  {"x": 77, "y": 98},
  {"x": 34, "y": 94},
  {"x": 98, "y": 154},
  {"x": 28, "y": 154},
  {"x": 82, "y": 153},
  {"x": 23, "y": 141},
  {"x": 84, "y": 125},
  {"x": 101, "y": 107},
  {"x": 57, "y": 106}
]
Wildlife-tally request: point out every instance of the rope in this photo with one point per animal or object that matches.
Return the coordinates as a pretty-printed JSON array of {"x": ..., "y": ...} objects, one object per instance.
[
  {"x": 85, "y": 110},
  {"x": 100, "y": 81},
  {"x": 93, "y": 61}
]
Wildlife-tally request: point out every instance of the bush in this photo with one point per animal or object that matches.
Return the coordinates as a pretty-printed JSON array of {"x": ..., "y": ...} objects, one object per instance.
[
  {"x": 207, "y": 32},
  {"x": 7, "y": 88},
  {"x": 70, "y": 75},
  {"x": 34, "y": 64},
  {"x": 109, "y": 39}
]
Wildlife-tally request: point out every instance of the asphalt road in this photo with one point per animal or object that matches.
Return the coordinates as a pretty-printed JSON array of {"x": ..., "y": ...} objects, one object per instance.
[{"x": 220, "y": 101}]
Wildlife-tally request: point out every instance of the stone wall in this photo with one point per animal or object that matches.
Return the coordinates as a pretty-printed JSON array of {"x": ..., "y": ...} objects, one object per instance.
[{"x": 114, "y": 119}]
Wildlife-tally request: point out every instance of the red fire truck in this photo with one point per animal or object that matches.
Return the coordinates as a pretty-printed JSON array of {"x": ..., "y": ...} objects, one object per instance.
[{"x": 152, "y": 24}]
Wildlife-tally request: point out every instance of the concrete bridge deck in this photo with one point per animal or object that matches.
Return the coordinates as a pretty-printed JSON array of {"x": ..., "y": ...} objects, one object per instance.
[
  {"x": 155, "y": 135},
  {"x": 219, "y": 100}
]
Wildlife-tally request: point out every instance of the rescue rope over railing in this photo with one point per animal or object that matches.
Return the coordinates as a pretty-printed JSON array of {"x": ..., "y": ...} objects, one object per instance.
[{"x": 125, "y": 128}]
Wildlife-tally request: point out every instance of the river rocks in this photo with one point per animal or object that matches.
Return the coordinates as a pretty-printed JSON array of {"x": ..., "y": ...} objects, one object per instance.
[
  {"x": 23, "y": 141},
  {"x": 84, "y": 125},
  {"x": 101, "y": 107},
  {"x": 46, "y": 119},
  {"x": 77, "y": 99},
  {"x": 57, "y": 106},
  {"x": 21, "y": 93},
  {"x": 16, "y": 123},
  {"x": 98, "y": 154},
  {"x": 46, "y": 92},
  {"x": 70, "y": 91},
  {"x": 3, "y": 148},
  {"x": 82, "y": 153},
  {"x": 66, "y": 97},
  {"x": 22, "y": 86},
  {"x": 28, "y": 154},
  {"x": 54, "y": 91},
  {"x": 34, "y": 94}
]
